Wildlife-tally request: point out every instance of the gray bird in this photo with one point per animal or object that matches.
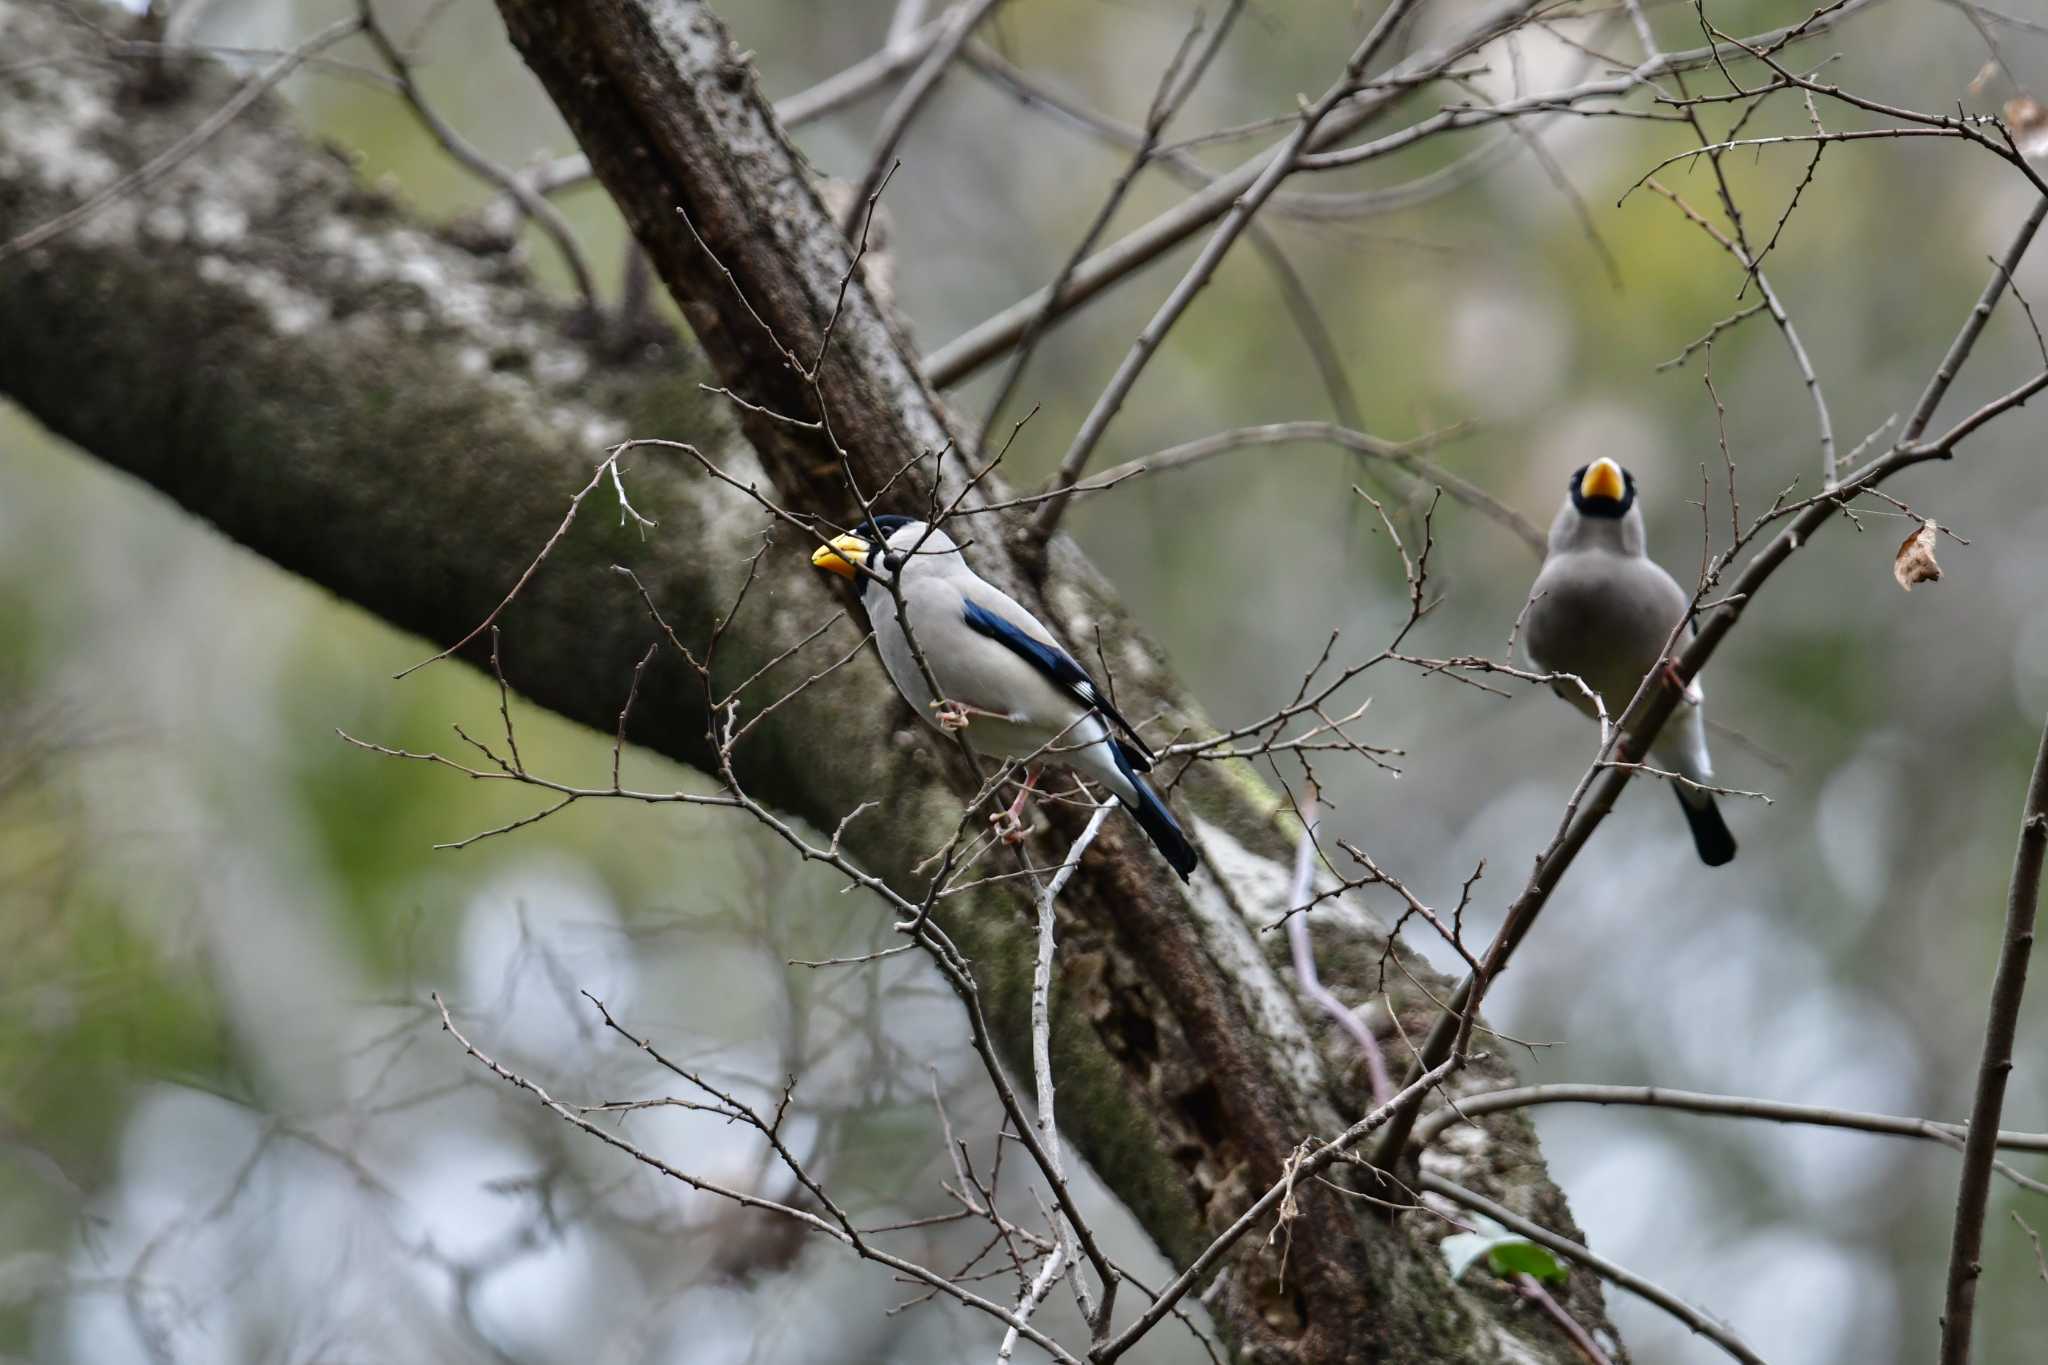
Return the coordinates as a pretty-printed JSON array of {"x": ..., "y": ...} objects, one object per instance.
[
  {"x": 1603, "y": 609},
  {"x": 1002, "y": 678}
]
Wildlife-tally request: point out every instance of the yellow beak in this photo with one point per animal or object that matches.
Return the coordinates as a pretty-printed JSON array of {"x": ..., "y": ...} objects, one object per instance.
[
  {"x": 842, "y": 556},
  {"x": 1602, "y": 480}
]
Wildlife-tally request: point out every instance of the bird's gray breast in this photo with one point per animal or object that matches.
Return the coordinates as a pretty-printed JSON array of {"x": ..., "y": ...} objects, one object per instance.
[
  {"x": 893, "y": 644},
  {"x": 1018, "y": 708},
  {"x": 1604, "y": 617}
]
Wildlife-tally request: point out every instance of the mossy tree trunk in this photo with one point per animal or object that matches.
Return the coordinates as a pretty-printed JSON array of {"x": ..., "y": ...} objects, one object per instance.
[{"x": 310, "y": 368}]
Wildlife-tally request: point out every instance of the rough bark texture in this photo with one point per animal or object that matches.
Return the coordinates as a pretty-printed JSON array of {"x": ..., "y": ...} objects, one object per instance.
[{"x": 306, "y": 366}]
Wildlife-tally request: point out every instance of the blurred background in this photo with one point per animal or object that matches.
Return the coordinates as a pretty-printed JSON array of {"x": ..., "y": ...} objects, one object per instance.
[{"x": 231, "y": 1129}]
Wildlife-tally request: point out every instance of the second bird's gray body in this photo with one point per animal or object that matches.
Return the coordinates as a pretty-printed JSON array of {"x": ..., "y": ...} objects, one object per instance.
[
  {"x": 1603, "y": 610},
  {"x": 1029, "y": 711}
]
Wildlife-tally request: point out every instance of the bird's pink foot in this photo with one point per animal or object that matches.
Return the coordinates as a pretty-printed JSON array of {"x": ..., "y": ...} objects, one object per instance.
[
  {"x": 1687, "y": 690},
  {"x": 1007, "y": 826}
]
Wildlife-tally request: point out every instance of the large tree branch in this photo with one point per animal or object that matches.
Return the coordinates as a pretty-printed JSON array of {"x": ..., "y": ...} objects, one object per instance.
[{"x": 310, "y": 369}]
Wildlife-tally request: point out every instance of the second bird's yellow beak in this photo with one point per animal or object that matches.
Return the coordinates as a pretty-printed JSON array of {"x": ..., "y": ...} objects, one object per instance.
[
  {"x": 843, "y": 556},
  {"x": 1602, "y": 480}
]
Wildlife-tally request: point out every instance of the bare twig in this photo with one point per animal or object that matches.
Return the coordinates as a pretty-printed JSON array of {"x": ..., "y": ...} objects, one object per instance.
[
  {"x": 2040, "y": 1257},
  {"x": 827, "y": 97},
  {"x": 568, "y": 518},
  {"x": 1301, "y": 947},
  {"x": 632, "y": 692},
  {"x": 1710, "y": 335},
  {"x": 954, "y": 29},
  {"x": 1699, "y": 1322},
  {"x": 1531, "y": 1288},
  {"x": 531, "y": 201},
  {"x": 958, "y": 359},
  {"x": 1166, "y": 102},
  {"x": 1694, "y": 1102},
  {"x": 1234, "y": 222},
  {"x": 859, "y": 1244},
  {"x": 1409, "y": 455},
  {"x": 1973, "y": 327},
  {"x": 1996, "y": 16},
  {"x": 1041, "y": 1029},
  {"x": 1830, "y": 466},
  {"x": 2001, "y": 1024},
  {"x": 1027, "y": 1303},
  {"x": 1313, "y": 1162},
  {"x": 173, "y": 156}
]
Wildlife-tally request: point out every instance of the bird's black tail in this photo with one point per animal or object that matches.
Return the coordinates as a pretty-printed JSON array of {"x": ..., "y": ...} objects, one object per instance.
[
  {"x": 1709, "y": 831},
  {"x": 1154, "y": 818}
]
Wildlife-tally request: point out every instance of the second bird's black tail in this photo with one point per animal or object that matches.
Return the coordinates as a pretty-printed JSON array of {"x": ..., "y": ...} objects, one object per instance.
[
  {"x": 1155, "y": 819},
  {"x": 1709, "y": 831}
]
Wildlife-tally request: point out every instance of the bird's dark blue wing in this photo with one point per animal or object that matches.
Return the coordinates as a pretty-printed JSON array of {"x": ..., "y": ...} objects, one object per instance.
[{"x": 1059, "y": 667}]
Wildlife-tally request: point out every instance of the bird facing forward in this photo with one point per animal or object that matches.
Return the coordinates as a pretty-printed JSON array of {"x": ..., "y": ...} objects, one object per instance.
[
  {"x": 1602, "y": 609},
  {"x": 1003, "y": 681}
]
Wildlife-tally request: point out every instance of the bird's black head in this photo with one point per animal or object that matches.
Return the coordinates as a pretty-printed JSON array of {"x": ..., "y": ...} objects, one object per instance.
[
  {"x": 1603, "y": 489},
  {"x": 879, "y": 529},
  {"x": 867, "y": 545}
]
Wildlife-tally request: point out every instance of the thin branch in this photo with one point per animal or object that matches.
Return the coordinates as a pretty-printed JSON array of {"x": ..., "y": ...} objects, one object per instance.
[
  {"x": 1407, "y": 454},
  {"x": 1167, "y": 99},
  {"x": 1830, "y": 465},
  {"x": 827, "y": 97},
  {"x": 1198, "y": 275},
  {"x": 857, "y": 82},
  {"x": 1531, "y": 1288},
  {"x": 1973, "y": 327},
  {"x": 1820, "y": 140},
  {"x": 1699, "y": 1322},
  {"x": 568, "y": 518},
  {"x": 956, "y": 360},
  {"x": 1298, "y": 1171},
  {"x": 518, "y": 765},
  {"x": 959, "y": 23},
  {"x": 632, "y": 693},
  {"x": 1027, "y": 1303},
  {"x": 2040, "y": 1257},
  {"x": 1301, "y": 305},
  {"x": 1471, "y": 1107},
  {"x": 2010, "y": 20},
  {"x": 1708, "y": 337},
  {"x": 531, "y": 201},
  {"x": 1041, "y": 1037},
  {"x": 2000, "y": 1026},
  {"x": 1302, "y": 949},
  {"x": 860, "y": 1245},
  {"x": 160, "y": 165}
]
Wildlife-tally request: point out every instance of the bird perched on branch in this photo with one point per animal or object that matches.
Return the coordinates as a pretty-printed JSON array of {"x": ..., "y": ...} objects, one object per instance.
[
  {"x": 1603, "y": 609},
  {"x": 1002, "y": 680}
]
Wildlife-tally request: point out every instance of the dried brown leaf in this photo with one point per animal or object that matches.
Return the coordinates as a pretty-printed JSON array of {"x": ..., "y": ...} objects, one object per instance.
[
  {"x": 1984, "y": 77},
  {"x": 2028, "y": 119},
  {"x": 1914, "y": 563}
]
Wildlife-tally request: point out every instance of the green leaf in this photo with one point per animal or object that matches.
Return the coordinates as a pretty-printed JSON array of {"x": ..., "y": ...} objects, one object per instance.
[
  {"x": 1518, "y": 1255},
  {"x": 1506, "y": 1253}
]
